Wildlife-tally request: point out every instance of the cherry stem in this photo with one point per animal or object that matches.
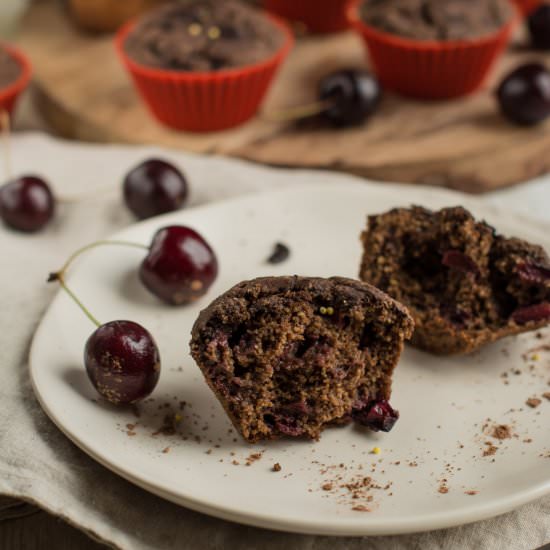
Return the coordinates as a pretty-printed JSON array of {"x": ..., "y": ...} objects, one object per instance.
[
  {"x": 59, "y": 276},
  {"x": 61, "y": 279},
  {"x": 5, "y": 122},
  {"x": 298, "y": 112}
]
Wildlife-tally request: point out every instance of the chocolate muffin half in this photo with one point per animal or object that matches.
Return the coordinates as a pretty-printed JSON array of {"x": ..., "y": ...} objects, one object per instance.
[
  {"x": 464, "y": 284},
  {"x": 287, "y": 356}
]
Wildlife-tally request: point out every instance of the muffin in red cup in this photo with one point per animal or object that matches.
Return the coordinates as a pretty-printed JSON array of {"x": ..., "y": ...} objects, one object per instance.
[
  {"x": 15, "y": 74},
  {"x": 203, "y": 65},
  {"x": 323, "y": 16},
  {"x": 434, "y": 49},
  {"x": 527, "y": 6}
]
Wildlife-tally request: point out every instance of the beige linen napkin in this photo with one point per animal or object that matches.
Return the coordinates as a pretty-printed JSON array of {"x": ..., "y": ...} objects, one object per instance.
[{"x": 39, "y": 465}]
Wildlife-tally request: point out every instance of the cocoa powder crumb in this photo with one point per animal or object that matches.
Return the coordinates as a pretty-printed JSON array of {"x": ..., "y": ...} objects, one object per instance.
[
  {"x": 490, "y": 450},
  {"x": 533, "y": 402},
  {"x": 252, "y": 458},
  {"x": 361, "y": 508},
  {"x": 276, "y": 467},
  {"x": 471, "y": 492},
  {"x": 502, "y": 431},
  {"x": 443, "y": 489},
  {"x": 166, "y": 450},
  {"x": 326, "y": 487}
]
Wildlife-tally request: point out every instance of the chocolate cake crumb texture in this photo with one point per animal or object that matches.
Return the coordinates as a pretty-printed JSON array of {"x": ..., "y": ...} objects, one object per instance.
[
  {"x": 437, "y": 19},
  {"x": 288, "y": 356},
  {"x": 203, "y": 36},
  {"x": 463, "y": 283},
  {"x": 502, "y": 431}
]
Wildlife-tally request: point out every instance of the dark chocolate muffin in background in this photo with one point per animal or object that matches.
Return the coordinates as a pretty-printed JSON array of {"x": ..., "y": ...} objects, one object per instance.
[
  {"x": 288, "y": 356},
  {"x": 203, "y": 35},
  {"x": 10, "y": 70},
  {"x": 437, "y": 19},
  {"x": 464, "y": 284}
]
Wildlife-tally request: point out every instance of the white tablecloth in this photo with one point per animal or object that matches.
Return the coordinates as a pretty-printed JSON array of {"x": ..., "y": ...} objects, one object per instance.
[{"x": 38, "y": 464}]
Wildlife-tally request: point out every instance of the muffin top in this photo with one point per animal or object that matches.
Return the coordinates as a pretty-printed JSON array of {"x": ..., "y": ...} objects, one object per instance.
[
  {"x": 437, "y": 19},
  {"x": 10, "y": 69},
  {"x": 203, "y": 35}
]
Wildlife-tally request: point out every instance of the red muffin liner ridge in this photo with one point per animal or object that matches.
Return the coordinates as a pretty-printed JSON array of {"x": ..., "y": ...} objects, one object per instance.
[
  {"x": 429, "y": 69},
  {"x": 319, "y": 16},
  {"x": 204, "y": 101}
]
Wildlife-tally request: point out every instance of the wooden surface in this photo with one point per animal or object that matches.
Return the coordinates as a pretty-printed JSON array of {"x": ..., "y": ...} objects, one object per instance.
[
  {"x": 84, "y": 93},
  {"x": 26, "y": 527},
  {"x": 42, "y": 531}
]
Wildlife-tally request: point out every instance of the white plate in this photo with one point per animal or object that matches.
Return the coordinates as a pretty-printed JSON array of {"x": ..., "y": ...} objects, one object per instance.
[{"x": 444, "y": 403}]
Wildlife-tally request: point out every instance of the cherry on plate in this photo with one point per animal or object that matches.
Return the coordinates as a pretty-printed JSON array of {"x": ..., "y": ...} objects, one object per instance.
[
  {"x": 26, "y": 203},
  {"x": 122, "y": 361},
  {"x": 180, "y": 266},
  {"x": 352, "y": 96},
  {"x": 154, "y": 187},
  {"x": 524, "y": 95}
]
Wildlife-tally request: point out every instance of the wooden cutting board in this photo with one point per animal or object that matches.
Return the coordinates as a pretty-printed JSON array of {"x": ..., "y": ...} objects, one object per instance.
[{"x": 84, "y": 93}]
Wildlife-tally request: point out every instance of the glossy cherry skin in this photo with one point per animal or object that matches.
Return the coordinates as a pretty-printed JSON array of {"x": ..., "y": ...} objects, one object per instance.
[
  {"x": 539, "y": 27},
  {"x": 524, "y": 95},
  {"x": 353, "y": 96},
  {"x": 154, "y": 187},
  {"x": 26, "y": 203},
  {"x": 180, "y": 265},
  {"x": 122, "y": 362}
]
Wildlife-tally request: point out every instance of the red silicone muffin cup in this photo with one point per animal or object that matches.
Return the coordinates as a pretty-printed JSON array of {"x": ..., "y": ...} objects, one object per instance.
[
  {"x": 527, "y": 6},
  {"x": 319, "y": 16},
  {"x": 9, "y": 94},
  {"x": 204, "y": 101},
  {"x": 431, "y": 69}
]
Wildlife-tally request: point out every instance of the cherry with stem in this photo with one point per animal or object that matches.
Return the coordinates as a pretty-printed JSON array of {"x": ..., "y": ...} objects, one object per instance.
[
  {"x": 344, "y": 98},
  {"x": 121, "y": 358}
]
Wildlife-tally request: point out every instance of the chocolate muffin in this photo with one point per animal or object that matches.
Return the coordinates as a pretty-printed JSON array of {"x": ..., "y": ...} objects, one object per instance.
[
  {"x": 464, "y": 284},
  {"x": 437, "y": 19},
  {"x": 203, "y": 35},
  {"x": 287, "y": 356},
  {"x": 10, "y": 70}
]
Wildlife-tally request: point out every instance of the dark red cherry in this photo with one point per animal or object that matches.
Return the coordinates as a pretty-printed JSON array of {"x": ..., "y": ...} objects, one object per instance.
[
  {"x": 352, "y": 97},
  {"x": 154, "y": 187},
  {"x": 26, "y": 203},
  {"x": 180, "y": 265},
  {"x": 455, "y": 259},
  {"x": 122, "y": 361},
  {"x": 377, "y": 415},
  {"x": 536, "y": 312},
  {"x": 539, "y": 27},
  {"x": 524, "y": 95},
  {"x": 533, "y": 273}
]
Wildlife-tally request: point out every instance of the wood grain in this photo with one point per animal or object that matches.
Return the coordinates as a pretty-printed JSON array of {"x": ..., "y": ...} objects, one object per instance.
[
  {"x": 85, "y": 94},
  {"x": 42, "y": 531}
]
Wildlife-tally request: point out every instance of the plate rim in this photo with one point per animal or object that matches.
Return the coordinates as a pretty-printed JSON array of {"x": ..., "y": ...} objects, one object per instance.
[{"x": 345, "y": 527}]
